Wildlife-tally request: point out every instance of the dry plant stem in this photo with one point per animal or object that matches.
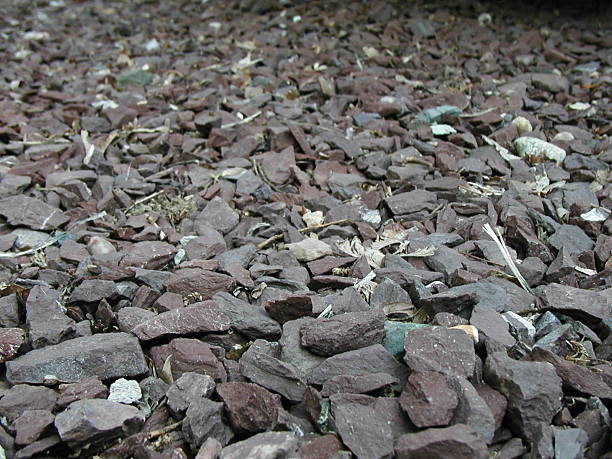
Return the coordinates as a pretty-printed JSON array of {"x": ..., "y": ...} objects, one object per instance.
[
  {"x": 276, "y": 237},
  {"x": 145, "y": 199},
  {"x": 497, "y": 238},
  {"x": 248, "y": 119},
  {"x": 159, "y": 432}
]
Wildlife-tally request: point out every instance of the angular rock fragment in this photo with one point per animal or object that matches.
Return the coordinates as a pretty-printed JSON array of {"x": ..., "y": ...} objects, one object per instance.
[
  {"x": 583, "y": 305},
  {"x": 361, "y": 384},
  {"x": 187, "y": 389},
  {"x": 31, "y": 425},
  {"x": 428, "y": 400},
  {"x": 533, "y": 390},
  {"x": 440, "y": 349},
  {"x": 370, "y": 359},
  {"x": 472, "y": 409},
  {"x": 149, "y": 254},
  {"x": 11, "y": 340},
  {"x": 33, "y": 213},
  {"x": 107, "y": 356},
  {"x": 359, "y": 425},
  {"x": 89, "y": 421},
  {"x": 265, "y": 445},
  {"x": 203, "y": 420},
  {"x": 201, "y": 317},
  {"x": 87, "y": 388},
  {"x": 249, "y": 319},
  {"x": 344, "y": 332},
  {"x": 46, "y": 322},
  {"x": 202, "y": 283},
  {"x": 250, "y": 408},
  {"x": 458, "y": 441},
  {"x": 309, "y": 249},
  {"x": 23, "y": 397},
  {"x": 258, "y": 365}
]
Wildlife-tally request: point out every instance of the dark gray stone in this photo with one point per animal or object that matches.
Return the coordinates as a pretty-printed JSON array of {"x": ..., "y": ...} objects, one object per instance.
[
  {"x": 248, "y": 319},
  {"x": 46, "y": 322},
  {"x": 25, "y": 211},
  {"x": 360, "y": 426},
  {"x": 187, "y": 389},
  {"x": 90, "y": 421},
  {"x": 202, "y": 421},
  {"x": 371, "y": 359},
  {"x": 108, "y": 356},
  {"x": 533, "y": 390}
]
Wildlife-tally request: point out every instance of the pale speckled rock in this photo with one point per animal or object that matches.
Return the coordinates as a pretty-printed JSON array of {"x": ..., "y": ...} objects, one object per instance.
[
  {"x": 530, "y": 146},
  {"x": 125, "y": 391},
  {"x": 309, "y": 249}
]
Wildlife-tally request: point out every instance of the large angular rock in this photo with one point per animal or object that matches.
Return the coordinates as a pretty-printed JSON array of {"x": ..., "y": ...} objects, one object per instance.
[
  {"x": 266, "y": 369},
  {"x": 491, "y": 325},
  {"x": 291, "y": 350},
  {"x": 46, "y": 323},
  {"x": 201, "y": 317},
  {"x": 370, "y": 359},
  {"x": 533, "y": 390},
  {"x": 108, "y": 356},
  {"x": 25, "y": 397},
  {"x": 90, "y": 421},
  {"x": 344, "y": 332},
  {"x": 291, "y": 307},
  {"x": 87, "y": 388},
  {"x": 93, "y": 290},
  {"x": 206, "y": 245},
  {"x": 33, "y": 213},
  {"x": 199, "y": 281},
  {"x": 248, "y": 319},
  {"x": 265, "y": 445},
  {"x": 455, "y": 442},
  {"x": 31, "y": 425},
  {"x": 428, "y": 399},
  {"x": 440, "y": 349},
  {"x": 360, "y": 426},
  {"x": 203, "y": 420},
  {"x": 472, "y": 409},
  {"x": 584, "y": 305},
  {"x": 250, "y": 408}
]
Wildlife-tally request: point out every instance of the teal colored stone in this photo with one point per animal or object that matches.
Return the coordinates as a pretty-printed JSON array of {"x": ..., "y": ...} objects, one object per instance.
[
  {"x": 135, "y": 78},
  {"x": 434, "y": 115},
  {"x": 395, "y": 332}
]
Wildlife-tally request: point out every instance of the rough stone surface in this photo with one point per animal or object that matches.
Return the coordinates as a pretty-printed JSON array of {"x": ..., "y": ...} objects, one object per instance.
[
  {"x": 265, "y": 445},
  {"x": 11, "y": 340},
  {"x": 23, "y": 397},
  {"x": 457, "y": 441},
  {"x": 587, "y": 305},
  {"x": 46, "y": 323},
  {"x": 33, "y": 213},
  {"x": 107, "y": 356},
  {"x": 88, "y": 421},
  {"x": 250, "y": 320},
  {"x": 125, "y": 391},
  {"x": 371, "y": 359},
  {"x": 439, "y": 349},
  {"x": 202, "y": 421},
  {"x": 533, "y": 390},
  {"x": 309, "y": 249},
  {"x": 360, "y": 427},
  {"x": 187, "y": 389},
  {"x": 345, "y": 332},
  {"x": 31, "y": 425},
  {"x": 428, "y": 399},
  {"x": 250, "y": 408},
  {"x": 199, "y": 317}
]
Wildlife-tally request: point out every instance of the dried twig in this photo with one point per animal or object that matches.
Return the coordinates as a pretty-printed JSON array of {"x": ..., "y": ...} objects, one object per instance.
[
  {"x": 276, "y": 237},
  {"x": 248, "y": 119},
  {"x": 159, "y": 432}
]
